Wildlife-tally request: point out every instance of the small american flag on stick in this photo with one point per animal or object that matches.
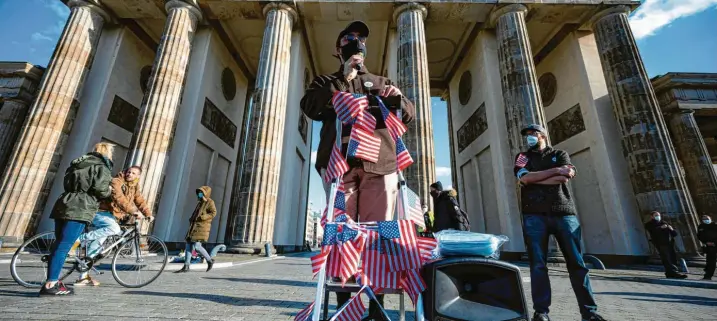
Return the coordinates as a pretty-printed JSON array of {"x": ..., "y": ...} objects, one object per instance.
[
  {"x": 413, "y": 284},
  {"x": 426, "y": 246},
  {"x": 337, "y": 166},
  {"x": 305, "y": 314},
  {"x": 364, "y": 145},
  {"x": 521, "y": 161},
  {"x": 414, "y": 212},
  {"x": 354, "y": 309},
  {"x": 365, "y": 121},
  {"x": 348, "y": 105},
  {"x": 403, "y": 158},
  {"x": 318, "y": 260},
  {"x": 401, "y": 244}
]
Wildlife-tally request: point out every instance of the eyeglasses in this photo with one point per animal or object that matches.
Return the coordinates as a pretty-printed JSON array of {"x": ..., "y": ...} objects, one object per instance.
[{"x": 347, "y": 38}]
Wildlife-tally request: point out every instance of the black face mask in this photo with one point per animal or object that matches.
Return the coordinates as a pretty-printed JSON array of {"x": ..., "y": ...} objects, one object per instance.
[
  {"x": 435, "y": 193},
  {"x": 352, "y": 48}
]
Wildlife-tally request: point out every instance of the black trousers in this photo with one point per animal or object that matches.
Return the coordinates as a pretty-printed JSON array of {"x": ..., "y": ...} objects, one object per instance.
[
  {"x": 373, "y": 311},
  {"x": 669, "y": 258},
  {"x": 711, "y": 252}
]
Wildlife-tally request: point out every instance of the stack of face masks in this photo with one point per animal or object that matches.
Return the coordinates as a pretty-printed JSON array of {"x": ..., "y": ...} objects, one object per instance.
[{"x": 462, "y": 243}]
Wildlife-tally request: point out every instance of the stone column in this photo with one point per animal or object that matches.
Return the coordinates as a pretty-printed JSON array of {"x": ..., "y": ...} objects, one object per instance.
[
  {"x": 259, "y": 183},
  {"x": 414, "y": 83},
  {"x": 36, "y": 156},
  {"x": 158, "y": 114},
  {"x": 692, "y": 153},
  {"x": 18, "y": 82},
  {"x": 521, "y": 95},
  {"x": 653, "y": 168}
]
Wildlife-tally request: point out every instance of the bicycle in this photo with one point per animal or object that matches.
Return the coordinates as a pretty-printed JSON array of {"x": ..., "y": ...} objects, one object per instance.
[{"x": 131, "y": 252}]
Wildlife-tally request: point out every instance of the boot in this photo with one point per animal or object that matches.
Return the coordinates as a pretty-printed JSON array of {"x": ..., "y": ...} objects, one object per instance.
[
  {"x": 210, "y": 265},
  {"x": 183, "y": 270}
]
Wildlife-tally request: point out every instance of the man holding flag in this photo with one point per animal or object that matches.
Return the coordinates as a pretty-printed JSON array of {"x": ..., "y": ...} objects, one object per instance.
[{"x": 369, "y": 135}]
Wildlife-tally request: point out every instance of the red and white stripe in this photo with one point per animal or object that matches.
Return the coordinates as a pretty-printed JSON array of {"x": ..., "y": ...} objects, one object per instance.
[
  {"x": 318, "y": 260},
  {"x": 426, "y": 245},
  {"x": 413, "y": 284},
  {"x": 354, "y": 309},
  {"x": 375, "y": 266},
  {"x": 404, "y": 253},
  {"x": 365, "y": 121},
  {"x": 369, "y": 145},
  {"x": 395, "y": 126},
  {"x": 347, "y": 105},
  {"x": 521, "y": 161},
  {"x": 337, "y": 166},
  {"x": 305, "y": 314},
  {"x": 350, "y": 255}
]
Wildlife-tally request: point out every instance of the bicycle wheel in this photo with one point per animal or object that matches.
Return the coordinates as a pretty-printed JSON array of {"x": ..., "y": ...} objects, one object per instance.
[
  {"x": 136, "y": 265},
  {"x": 29, "y": 263}
]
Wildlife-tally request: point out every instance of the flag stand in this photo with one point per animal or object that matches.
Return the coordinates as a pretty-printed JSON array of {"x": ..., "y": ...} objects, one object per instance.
[{"x": 322, "y": 285}]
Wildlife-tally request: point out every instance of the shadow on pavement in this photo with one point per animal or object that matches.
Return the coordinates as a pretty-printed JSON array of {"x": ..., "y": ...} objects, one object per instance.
[
  {"x": 224, "y": 299},
  {"x": 267, "y": 281},
  {"x": 668, "y": 298},
  {"x": 26, "y": 294}
]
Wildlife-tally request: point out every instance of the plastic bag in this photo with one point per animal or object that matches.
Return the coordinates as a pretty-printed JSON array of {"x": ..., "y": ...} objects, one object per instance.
[{"x": 463, "y": 243}]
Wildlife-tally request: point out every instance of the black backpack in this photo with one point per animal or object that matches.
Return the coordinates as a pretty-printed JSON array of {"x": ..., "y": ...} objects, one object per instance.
[{"x": 464, "y": 224}]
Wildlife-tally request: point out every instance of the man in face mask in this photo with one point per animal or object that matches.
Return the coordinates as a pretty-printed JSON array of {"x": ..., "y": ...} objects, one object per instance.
[
  {"x": 547, "y": 208},
  {"x": 662, "y": 235},
  {"x": 707, "y": 233},
  {"x": 371, "y": 186}
]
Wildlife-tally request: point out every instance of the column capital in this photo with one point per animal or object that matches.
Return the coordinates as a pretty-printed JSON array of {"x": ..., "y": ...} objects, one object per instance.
[
  {"x": 500, "y": 11},
  {"x": 284, "y": 7},
  {"x": 190, "y": 5},
  {"x": 608, "y": 12},
  {"x": 414, "y": 6},
  {"x": 93, "y": 5}
]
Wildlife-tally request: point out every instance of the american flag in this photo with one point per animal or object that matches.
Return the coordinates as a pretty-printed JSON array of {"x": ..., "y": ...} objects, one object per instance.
[
  {"x": 348, "y": 105},
  {"x": 521, "y": 161},
  {"x": 318, "y": 260},
  {"x": 426, "y": 246},
  {"x": 415, "y": 212},
  {"x": 337, "y": 166},
  {"x": 401, "y": 244},
  {"x": 394, "y": 125},
  {"x": 305, "y": 314},
  {"x": 354, "y": 309},
  {"x": 352, "y": 244},
  {"x": 375, "y": 264},
  {"x": 413, "y": 284},
  {"x": 365, "y": 121},
  {"x": 363, "y": 145},
  {"x": 403, "y": 158},
  {"x": 339, "y": 204}
]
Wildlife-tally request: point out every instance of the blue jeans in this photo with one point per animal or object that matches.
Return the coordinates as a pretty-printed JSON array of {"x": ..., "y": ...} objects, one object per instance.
[
  {"x": 188, "y": 252},
  {"x": 105, "y": 225},
  {"x": 66, "y": 233},
  {"x": 566, "y": 230}
]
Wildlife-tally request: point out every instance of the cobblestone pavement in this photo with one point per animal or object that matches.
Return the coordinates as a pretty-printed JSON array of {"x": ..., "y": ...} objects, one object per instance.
[{"x": 278, "y": 289}]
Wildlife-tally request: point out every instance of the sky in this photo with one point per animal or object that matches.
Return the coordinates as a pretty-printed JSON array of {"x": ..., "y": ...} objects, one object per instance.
[{"x": 672, "y": 35}]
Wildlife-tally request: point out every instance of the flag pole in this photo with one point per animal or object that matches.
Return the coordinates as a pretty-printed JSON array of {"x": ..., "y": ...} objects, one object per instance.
[{"x": 321, "y": 282}]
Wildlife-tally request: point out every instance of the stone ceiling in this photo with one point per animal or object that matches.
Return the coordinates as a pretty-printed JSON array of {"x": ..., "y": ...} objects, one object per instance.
[{"x": 451, "y": 25}]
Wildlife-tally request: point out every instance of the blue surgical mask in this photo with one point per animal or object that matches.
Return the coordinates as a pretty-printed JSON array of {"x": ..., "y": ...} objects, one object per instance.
[
  {"x": 707, "y": 221},
  {"x": 532, "y": 140},
  {"x": 200, "y": 195},
  {"x": 658, "y": 218}
]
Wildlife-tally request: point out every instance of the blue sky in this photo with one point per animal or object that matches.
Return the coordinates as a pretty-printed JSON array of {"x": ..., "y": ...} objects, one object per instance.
[{"x": 673, "y": 36}]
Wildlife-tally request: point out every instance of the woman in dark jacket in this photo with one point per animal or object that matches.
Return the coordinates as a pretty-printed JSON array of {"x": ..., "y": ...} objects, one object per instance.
[
  {"x": 200, "y": 225},
  {"x": 86, "y": 182}
]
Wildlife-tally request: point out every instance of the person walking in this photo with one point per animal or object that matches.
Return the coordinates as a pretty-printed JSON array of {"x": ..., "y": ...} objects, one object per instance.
[
  {"x": 447, "y": 213},
  {"x": 707, "y": 233},
  {"x": 548, "y": 208},
  {"x": 86, "y": 183},
  {"x": 370, "y": 186},
  {"x": 662, "y": 235},
  {"x": 199, "y": 228},
  {"x": 126, "y": 202}
]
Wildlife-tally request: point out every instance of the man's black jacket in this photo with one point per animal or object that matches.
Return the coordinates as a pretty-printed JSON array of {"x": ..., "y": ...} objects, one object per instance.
[
  {"x": 544, "y": 199},
  {"x": 707, "y": 232},
  {"x": 659, "y": 235}
]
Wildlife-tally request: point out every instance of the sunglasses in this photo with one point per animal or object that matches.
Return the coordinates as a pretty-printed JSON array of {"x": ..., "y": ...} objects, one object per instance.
[{"x": 347, "y": 38}]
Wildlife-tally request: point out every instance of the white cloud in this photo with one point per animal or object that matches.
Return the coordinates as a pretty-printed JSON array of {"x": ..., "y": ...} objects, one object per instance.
[
  {"x": 37, "y": 36},
  {"x": 443, "y": 171},
  {"x": 313, "y": 157},
  {"x": 653, "y": 15}
]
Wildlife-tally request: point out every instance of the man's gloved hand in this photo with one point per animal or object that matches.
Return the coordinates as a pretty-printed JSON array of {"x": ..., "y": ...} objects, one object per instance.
[
  {"x": 350, "y": 71},
  {"x": 390, "y": 90}
]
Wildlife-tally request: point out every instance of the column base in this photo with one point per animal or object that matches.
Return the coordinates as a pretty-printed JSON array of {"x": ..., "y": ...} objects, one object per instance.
[{"x": 10, "y": 243}]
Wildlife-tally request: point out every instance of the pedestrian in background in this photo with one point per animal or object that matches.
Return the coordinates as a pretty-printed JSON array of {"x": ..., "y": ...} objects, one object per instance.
[
  {"x": 86, "y": 183},
  {"x": 662, "y": 235},
  {"x": 200, "y": 224},
  {"x": 447, "y": 213},
  {"x": 707, "y": 233}
]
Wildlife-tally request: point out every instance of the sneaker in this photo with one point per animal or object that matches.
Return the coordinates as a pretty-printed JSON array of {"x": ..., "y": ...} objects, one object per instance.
[
  {"x": 707, "y": 278},
  {"x": 88, "y": 281},
  {"x": 595, "y": 317},
  {"x": 58, "y": 289},
  {"x": 677, "y": 276},
  {"x": 540, "y": 317}
]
